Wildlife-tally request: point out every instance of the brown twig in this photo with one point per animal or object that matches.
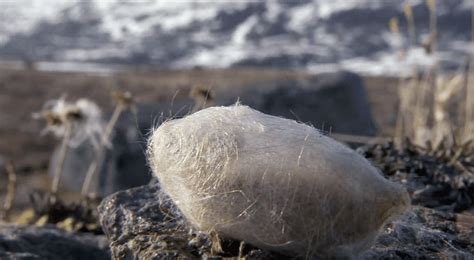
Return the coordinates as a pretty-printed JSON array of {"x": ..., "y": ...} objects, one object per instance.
[
  {"x": 469, "y": 101},
  {"x": 216, "y": 246},
  {"x": 58, "y": 169},
  {"x": 11, "y": 190},
  {"x": 124, "y": 100},
  {"x": 433, "y": 25},
  {"x": 241, "y": 250},
  {"x": 408, "y": 10}
]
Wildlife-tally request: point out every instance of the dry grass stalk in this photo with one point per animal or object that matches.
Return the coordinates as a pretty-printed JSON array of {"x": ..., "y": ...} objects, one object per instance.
[
  {"x": 399, "y": 124},
  {"x": 406, "y": 87},
  {"x": 408, "y": 11},
  {"x": 58, "y": 168},
  {"x": 469, "y": 104},
  {"x": 124, "y": 101},
  {"x": 241, "y": 250},
  {"x": 430, "y": 45},
  {"x": 405, "y": 117},
  {"x": 393, "y": 24},
  {"x": 469, "y": 114},
  {"x": 216, "y": 247},
  {"x": 445, "y": 91},
  {"x": 11, "y": 190},
  {"x": 428, "y": 102},
  {"x": 422, "y": 88}
]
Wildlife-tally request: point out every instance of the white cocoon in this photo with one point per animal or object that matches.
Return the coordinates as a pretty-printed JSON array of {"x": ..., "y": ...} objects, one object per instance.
[{"x": 272, "y": 182}]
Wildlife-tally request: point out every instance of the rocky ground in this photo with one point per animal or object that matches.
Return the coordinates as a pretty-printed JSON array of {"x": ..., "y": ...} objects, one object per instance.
[{"x": 140, "y": 225}]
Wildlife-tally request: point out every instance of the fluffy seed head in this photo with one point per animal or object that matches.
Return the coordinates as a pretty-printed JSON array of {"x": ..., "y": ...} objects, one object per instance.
[{"x": 84, "y": 116}]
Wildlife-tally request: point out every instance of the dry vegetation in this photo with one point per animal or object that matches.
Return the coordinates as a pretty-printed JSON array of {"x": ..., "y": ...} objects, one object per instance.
[{"x": 434, "y": 107}]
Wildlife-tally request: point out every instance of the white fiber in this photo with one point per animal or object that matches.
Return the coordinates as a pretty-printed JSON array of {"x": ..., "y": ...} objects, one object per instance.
[{"x": 272, "y": 182}]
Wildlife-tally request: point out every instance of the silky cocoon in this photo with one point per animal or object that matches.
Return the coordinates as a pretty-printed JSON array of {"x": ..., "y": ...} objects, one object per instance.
[{"x": 272, "y": 182}]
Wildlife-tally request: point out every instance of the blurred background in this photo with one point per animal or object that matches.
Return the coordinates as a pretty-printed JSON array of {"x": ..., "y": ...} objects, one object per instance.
[
  {"x": 315, "y": 35},
  {"x": 362, "y": 71}
]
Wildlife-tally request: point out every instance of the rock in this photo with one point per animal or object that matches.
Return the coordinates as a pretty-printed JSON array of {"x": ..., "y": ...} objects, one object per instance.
[
  {"x": 436, "y": 178},
  {"x": 425, "y": 233},
  {"x": 142, "y": 223},
  {"x": 136, "y": 228},
  {"x": 124, "y": 165},
  {"x": 337, "y": 102},
  {"x": 30, "y": 242}
]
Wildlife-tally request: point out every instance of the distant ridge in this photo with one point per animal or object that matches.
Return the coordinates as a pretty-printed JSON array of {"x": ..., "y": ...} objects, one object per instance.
[{"x": 312, "y": 34}]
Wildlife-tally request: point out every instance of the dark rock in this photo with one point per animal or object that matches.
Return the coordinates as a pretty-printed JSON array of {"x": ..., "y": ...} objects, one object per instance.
[
  {"x": 124, "y": 165},
  {"x": 140, "y": 224},
  {"x": 136, "y": 227},
  {"x": 424, "y": 233},
  {"x": 336, "y": 102},
  {"x": 29, "y": 242},
  {"x": 434, "y": 178}
]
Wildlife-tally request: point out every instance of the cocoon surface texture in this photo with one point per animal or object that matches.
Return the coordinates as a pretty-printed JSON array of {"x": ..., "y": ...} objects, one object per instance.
[{"x": 272, "y": 182}]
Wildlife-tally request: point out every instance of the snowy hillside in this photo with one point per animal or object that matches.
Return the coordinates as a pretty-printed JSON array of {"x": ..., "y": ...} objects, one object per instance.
[{"x": 313, "y": 34}]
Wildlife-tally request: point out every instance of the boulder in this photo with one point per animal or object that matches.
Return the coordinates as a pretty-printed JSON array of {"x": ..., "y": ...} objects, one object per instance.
[
  {"x": 142, "y": 223},
  {"x": 30, "y": 242},
  {"x": 336, "y": 102},
  {"x": 136, "y": 227}
]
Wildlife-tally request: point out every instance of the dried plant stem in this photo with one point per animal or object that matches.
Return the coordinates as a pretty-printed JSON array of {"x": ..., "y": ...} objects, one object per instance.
[
  {"x": 111, "y": 124},
  {"x": 11, "y": 188},
  {"x": 104, "y": 142},
  {"x": 404, "y": 91},
  {"x": 58, "y": 168},
  {"x": 241, "y": 250},
  {"x": 421, "y": 109},
  {"x": 445, "y": 91},
  {"x": 400, "y": 127},
  {"x": 469, "y": 104},
  {"x": 408, "y": 10},
  {"x": 426, "y": 103},
  {"x": 433, "y": 24}
]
